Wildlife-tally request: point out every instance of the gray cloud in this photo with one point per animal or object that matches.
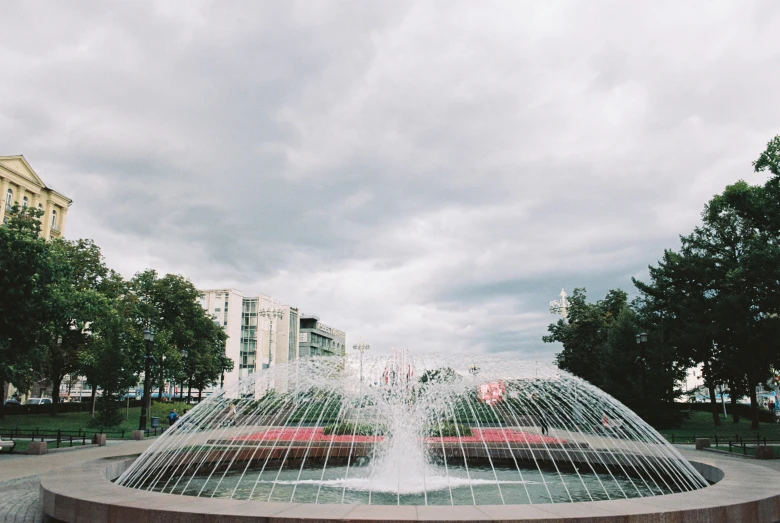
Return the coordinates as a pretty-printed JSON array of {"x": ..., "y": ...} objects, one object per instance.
[{"x": 419, "y": 174}]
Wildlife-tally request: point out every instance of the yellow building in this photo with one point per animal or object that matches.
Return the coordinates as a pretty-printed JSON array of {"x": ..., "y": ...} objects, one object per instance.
[{"x": 21, "y": 184}]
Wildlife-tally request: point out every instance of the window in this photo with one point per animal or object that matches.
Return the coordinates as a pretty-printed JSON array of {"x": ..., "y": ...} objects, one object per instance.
[
  {"x": 9, "y": 198},
  {"x": 54, "y": 219},
  {"x": 25, "y": 201}
]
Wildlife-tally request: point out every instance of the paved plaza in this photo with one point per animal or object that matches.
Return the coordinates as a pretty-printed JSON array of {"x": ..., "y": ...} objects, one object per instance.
[{"x": 20, "y": 475}]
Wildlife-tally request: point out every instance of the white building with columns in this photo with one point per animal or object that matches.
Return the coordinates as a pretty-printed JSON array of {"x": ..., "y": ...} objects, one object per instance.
[{"x": 20, "y": 184}]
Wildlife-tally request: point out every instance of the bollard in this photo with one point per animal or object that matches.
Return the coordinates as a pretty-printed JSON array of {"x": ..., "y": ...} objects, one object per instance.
[
  {"x": 100, "y": 440},
  {"x": 37, "y": 448},
  {"x": 764, "y": 452},
  {"x": 702, "y": 443},
  {"x": 138, "y": 434}
]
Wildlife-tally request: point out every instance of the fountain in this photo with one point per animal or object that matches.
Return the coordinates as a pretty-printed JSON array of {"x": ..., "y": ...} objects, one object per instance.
[{"x": 426, "y": 430}]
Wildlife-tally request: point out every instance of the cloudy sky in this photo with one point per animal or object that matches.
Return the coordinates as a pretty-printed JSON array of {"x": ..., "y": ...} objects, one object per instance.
[{"x": 421, "y": 174}]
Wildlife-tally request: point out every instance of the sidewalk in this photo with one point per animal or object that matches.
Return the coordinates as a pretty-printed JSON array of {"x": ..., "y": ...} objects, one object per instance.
[{"x": 20, "y": 475}]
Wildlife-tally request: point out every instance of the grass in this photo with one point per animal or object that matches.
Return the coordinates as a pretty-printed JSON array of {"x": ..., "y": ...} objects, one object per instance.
[
  {"x": 700, "y": 425},
  {"x": 73, "y": 421}
]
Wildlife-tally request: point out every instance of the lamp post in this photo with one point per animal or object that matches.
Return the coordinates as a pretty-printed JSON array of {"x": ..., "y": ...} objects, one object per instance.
[
  {"x": 641, "y": 340},
  {"x": 222, "y": 365},
  {"x": 271, "y": 313},
  {"x": 149, "y": 339},
  {"x": 361, "y": 347}
]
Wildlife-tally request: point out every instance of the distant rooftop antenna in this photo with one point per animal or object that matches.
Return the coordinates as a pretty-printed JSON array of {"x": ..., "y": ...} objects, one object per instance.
[{"x": 561, "y": 306}]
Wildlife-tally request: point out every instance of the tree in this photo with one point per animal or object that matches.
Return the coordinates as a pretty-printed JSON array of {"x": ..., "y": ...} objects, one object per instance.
[
  {"x": 584, "y": 333},
  {"x": 599, "y": 345},
  {"x": 26, "y": 275},
  {"x": 79, "y": 296},
  {"x": 110, "y": 359},
  {"x": 189, "y": 345},
  {"x": 720, "y": 291},
  {"x": 441, "y": 375}
]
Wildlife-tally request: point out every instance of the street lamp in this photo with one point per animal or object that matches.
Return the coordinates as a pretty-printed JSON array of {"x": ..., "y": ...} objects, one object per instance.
[
  {"x": 361, "y": 347},
  {"x": 149, "y": 339},
  {"x": 222, "y": 364},
  {"x": 271, "y": 313},
  {"x": 641, "y": 340}
]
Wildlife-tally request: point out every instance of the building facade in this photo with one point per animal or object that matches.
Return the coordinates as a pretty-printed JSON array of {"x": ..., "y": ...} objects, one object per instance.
[
  {"x": 19, "y": 183},
  {"x": 261, "y": 332},
  {"x": 317, "y": 339}
]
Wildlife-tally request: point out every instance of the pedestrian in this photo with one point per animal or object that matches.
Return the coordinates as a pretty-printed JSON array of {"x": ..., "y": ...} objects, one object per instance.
[
  {"x": 542, "y": 418},
  {"x": 232, "y": 414},
  {"x": 173, "y": 417}
]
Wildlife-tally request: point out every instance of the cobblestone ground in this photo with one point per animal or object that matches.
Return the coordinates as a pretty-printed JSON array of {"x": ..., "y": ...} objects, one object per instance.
[{"x": 20, "y": 500}]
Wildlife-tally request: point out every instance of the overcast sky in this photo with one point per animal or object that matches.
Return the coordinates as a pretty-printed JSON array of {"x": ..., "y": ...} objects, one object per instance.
[{"x": 421, "y": 174}]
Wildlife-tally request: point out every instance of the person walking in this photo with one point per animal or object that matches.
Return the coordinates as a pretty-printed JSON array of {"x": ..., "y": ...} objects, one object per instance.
[
  {"x": 232, "y": 414},
  {"x": 542, "y": 417}
]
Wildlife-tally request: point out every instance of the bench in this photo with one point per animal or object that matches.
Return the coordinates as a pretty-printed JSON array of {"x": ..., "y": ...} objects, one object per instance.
[{"x": 9, "y": 444}]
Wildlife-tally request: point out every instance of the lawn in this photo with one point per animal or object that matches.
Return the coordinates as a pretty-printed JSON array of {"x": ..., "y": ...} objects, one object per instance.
[
  {"x": 700, "y": 425},
  {"x": 73, "y": 421}
]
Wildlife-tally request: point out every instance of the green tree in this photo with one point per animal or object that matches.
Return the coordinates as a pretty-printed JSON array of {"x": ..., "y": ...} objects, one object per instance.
[
  {"x": 599, "y": 345},
  {"x": 720, "y": 292},
  {"x": 584, "y": 333},
  {"x": 26, "y": 275},
  {"x": 189, "y": 345},
  {"x": 79, "y": 295},
  {"x": 114, "y": 348}
]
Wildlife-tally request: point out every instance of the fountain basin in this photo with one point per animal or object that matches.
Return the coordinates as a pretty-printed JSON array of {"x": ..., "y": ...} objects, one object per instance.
[{"x": 742, "y": 491}]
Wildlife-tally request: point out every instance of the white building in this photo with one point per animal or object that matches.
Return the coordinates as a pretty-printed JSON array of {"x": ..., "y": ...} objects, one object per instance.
[{"x": 260, "y": 331}]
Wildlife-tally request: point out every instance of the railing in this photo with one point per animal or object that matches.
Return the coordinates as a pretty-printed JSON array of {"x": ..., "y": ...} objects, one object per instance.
[
  {"x": 737, "y": 444},
  {"x": 61, "y": 437},
  {"x": 744, "y": 445},
  {"x": 58, "y": 436},
  {"x": 671, "y": 438}
]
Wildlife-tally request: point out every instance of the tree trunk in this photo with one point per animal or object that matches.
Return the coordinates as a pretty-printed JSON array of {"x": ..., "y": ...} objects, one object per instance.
[
  {"x": 94, "y": 395},
  {"x": 189, "y": 390},
  {"x": 753, "y": 405},
  {"x": 714, "y": 404},
  {"x": 734, "y": 406},
  {"x": 200, "y": 395},
  {"x": 56, "y": 381},
  {"x": 710, "y": 384},
  {"x": 2, "y": 396}
]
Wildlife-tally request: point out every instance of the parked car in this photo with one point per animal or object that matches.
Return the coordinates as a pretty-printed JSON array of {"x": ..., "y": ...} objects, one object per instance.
[
  {"x": 38, "y": 401},
  {"x": 11, "y": 402}
]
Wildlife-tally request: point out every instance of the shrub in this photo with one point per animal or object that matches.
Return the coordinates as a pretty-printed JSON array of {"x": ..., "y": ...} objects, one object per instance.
[
  {"x": 348, "y": 429},
  {"x": 108, "y": 414},
  {"x": 448, "y": 429}
]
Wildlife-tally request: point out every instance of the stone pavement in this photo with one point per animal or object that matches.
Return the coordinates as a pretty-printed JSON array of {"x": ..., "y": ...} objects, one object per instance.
[{"x": 20, "y": 475}]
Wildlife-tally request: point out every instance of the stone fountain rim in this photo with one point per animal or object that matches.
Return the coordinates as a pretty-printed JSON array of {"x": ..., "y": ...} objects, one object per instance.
[{"x": 85, "y": 492}]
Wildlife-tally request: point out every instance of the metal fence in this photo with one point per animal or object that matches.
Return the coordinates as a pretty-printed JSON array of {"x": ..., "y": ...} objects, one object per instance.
[{"x": 66, "y": 437}]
